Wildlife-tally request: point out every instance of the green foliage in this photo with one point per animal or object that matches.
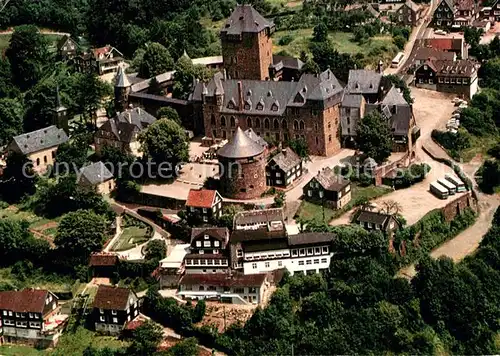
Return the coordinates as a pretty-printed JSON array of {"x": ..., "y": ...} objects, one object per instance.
[
  {"x": 299, "y": 146},
  {"x": 146, "y": 339},
  {"x": 320, "y": 33},
  {"x": 185, "y": 74},
  {"x": 399, "y": 41},
  {"x": 491, "y": 73},
  {"x": 11, "y": 112},
  {"x": 73, "y": 153},
  {"x": 156, "y": 60},
  {"x": 18, "y": 179},
  {"x": 490, "y": 175},
  {"x": 199, "y": 311},
  {"x": 326, "y": 56},
  {"x": 89, "y": 93},
  {"x": 165, "y": 141},
  {"x": 27, "y": 54},
  {"x": 186, "y": 347},
  {"x": 279, "y": 199},
  {"x": 472, "y": 35},
  {"x": 80, "y": 233},
  {"x": 413, "y": 174},
  {"x": 168, "y": 113},
  {"x": 375, "y": 137},
  {"x": 155, "y": 249},
  {"x": 477, "y": 122},
  {"x": 453, "y": 142},
  {"x": 403, "y": 32},
  {"x": 285, "y": 40}
]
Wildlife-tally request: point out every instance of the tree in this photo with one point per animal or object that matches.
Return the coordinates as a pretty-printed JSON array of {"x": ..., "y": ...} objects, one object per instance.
[
  {"x": 491, "y": 72},
  {"x": 17, "y": 241},
  {"x": 80, "y": 233},
  {"x": 199, "y": 311},
  {"x": 299, "y": 146},
  {"x": 73, "y": 153},
  {"x": 169, "y": 113},
  {"x": 145, "y": 339},
  {"x": 155, "y": 87},
  {"x": 165, "y": 141},
  {"x": 185, "y": 75},
  {"x": 375, "y": 137},
  {"x": 326, "y": 56},
  {"x": 490, "y": 175},
  {"x": 18, "y": 179},
  {"x": 391, "y": 207},
  {"x": 320, "y": 33},
  {"x": 472, "y": 35},
  {"x": 11, "y": 112},
  {"x": 399, "y": 41},
  {"x": 279, "y": 199},
  {"x": 187, "y": 347},
  {"x": 27, "y": 54},
  {"x": 89, "y": 95},
  {"x": 156, "y": 60},
  {"x": 477, "y": 122},
  {"x": 155, "y": 249},
  {"x": 7, "y": 88},
  {"x": 39, "y": 102}
]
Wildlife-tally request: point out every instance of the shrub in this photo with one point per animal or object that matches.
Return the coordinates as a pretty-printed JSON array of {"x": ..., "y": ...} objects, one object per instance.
[
  {"x": 285, "y": 40},
  {"x": 453, "y": 142},
  {"x": 399, "y": 41}
]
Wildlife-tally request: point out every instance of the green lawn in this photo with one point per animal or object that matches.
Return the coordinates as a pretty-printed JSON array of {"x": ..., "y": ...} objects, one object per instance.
[
  {"x": 43, "y": 225},
  {"x": 18, "y": 350},
  {"x": 129, "y": 237},
  {"x": 310, "y": 211},
  {"x": 36, "y": 279},
  {"x": 75, "y": 343},
  {"x": 51, "y": 39},
  {"x": 479, "y": 145}
]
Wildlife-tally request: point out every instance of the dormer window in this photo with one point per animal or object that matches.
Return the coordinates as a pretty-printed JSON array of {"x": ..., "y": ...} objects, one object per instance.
[
  {"x": 275, "y": 107},
  {"x": 249, "y": 92},
  {"x": 260, "y": 106},
  {"x": 269, "y": 93},
  {"x": 299, "y": 98},
  {"x": 248, "y": 105},
  {"x": 231, "y": 105},
  {"x": 206, "y": 237},
  {"x": 304, "y": 89}
]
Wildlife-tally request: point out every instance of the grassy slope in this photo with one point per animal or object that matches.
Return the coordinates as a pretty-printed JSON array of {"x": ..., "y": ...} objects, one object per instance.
[{"x": 130, "y": 236}]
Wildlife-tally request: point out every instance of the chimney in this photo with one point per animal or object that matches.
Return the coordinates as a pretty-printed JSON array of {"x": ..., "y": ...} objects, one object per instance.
[
  {"x": 128, "y": 118},
  {"x": 139, "y": 111},
  {"x": 283, "y": 151},
  {"x": 240, "y": 96},
  {"x": 224, "y": 72}
]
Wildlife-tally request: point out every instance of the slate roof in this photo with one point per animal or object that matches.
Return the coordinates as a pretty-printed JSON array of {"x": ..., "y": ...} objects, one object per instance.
[
  {"x": 352, "y": 100},
  {"x": 112, "y": 298},
  {"x": 224, "y": 280},
  {"x": 245, "y": 19},
  {"x": 240, "y": 146},
  {"x": 62, "y": 41},
  {"x": 139, "y": 117},
  {"x": 260, "y": 140},
  {"x": 96, "y": 173},
  {"x": 362, "y": 81},
  {"x": 125, "y": 124},
  {"x": 220, "y": 233},
  {"x": 121, "y": 79},
  {"x": 201, "y": 198},
  {"x": 265, "y": 245},
  {"x": 40, "y": 139},
  {"x": 394, "y": 97},
  {"x": 286, "y": 62},
  {"x": 425, "y": 53},
  {"x": 258, "y": 216},
  {"x": 24, "y": 301},
  {"x": 260, "y": 235},
  {"x": 331, "y": 181},
  {"x": 372, "y": 217},
  {"x": 309, "y": 238},
  {"x": 286, "y": 160},
  {"x": 317, "y": 87},
  {"x": 462, "y": 67}
]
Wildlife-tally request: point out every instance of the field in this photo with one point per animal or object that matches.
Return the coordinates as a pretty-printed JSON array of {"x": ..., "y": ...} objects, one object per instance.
[
  {"x": 479, "y": 146},
  {"x": 129, "y": 237},
  {"x": 308, "y": 211},
  {"x": 37, "y": 279},
  {"x": 5, "y": 39},
  {"x": 379, "y": 47},
  {"x": 41, "y": 227}
]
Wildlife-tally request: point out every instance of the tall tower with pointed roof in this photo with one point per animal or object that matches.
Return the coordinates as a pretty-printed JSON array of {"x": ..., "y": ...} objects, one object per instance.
[
  {"x": 247, "y": 48},
  {"x": 122, "y": 90},
  {"x": 60, "y": 113},
  {"x": 243, "y": 163}
]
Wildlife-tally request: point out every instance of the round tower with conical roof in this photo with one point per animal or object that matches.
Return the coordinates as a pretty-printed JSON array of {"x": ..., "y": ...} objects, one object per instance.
[
  {"x": 122, "y": 90},
  {"x": 243, "y": 167}
]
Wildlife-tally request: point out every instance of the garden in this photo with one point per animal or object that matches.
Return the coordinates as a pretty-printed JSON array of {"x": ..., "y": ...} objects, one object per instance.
[{"x": 134, "y": 233}]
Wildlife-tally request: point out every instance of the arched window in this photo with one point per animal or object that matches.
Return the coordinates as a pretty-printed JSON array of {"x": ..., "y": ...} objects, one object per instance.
[
  {"x": 38, "y": 161},
  {"x": 284, "y": 124},
  {"x": 276, "y": 124},
  {"x": 45, "y": 159},
  {"x": 223, "y": 121},
  {"x": 302, "y": 125},
  {"x": 295, "y": 125},
  {"x": 257, "y": 123},
  {"x": 266, "y": 123},
  {"x": 249, "y": 122},
  {"x": 233, "y": 121},
  {"x": 212, "y": 119}
]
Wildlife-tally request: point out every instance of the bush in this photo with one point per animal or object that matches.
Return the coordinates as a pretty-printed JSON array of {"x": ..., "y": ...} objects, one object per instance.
[
  {"x": 399, "y": 41},
  {"x": 453, "y": 142},
  {"x": 285, "y": 40}
]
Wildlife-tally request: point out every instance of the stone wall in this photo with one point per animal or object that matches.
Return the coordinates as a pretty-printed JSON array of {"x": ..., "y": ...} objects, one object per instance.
[{"x": 458, "y": 205}]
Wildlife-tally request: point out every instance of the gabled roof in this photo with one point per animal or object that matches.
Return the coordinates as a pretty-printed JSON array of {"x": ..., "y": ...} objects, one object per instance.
[
  {"x": 245, "y": 19},
  {"x": 352, "y": 100},
  {"x": 394, "y": 97},
  {"x": 317, "y": 87},
  {"x": 448, "y": 3},
  {"x": 425, "y": 53},
  {"x": 220, "y": 233},
  {"x": 106, "y": 50},
  {"x": 137, "y": 116},
  {"x": 331, "y": 181},
  {"x": 100, "y": 260},
  {"x": 280, "y": 62},
  {"x": 260, "y": 235},
  {"x": 462, "y": 67},
  {"x": 123, "y": 131},
  {"x": 126, "y": 123},
  {"x": 240, "y": 146},
  {"x": 112, "y": 298},
  {"x": 285, "y": 160},
  {"x": 96, "y": 173},
  {"x": 362, "y": 81},
  {"x": 372, "y": 217},
  {"x": 39, "y": 140},
  {"x": 24, "y": 301},
  {"x": 201, "y": 198},
  {"x": 445, "y": 44},
  {"x": 63, "y": 40}
]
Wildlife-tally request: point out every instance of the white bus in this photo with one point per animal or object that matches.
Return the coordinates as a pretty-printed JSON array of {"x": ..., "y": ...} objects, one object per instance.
[
  {"x": 438, "y": 190},
  {"x": 397, "y": 60},
  {"x": 457, "y": 182},
  {"x": 452, "y": 189}
]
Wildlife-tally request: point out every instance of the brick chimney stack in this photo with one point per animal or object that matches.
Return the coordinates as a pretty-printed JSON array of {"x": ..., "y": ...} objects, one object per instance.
[{"x": 240, "y": 96}]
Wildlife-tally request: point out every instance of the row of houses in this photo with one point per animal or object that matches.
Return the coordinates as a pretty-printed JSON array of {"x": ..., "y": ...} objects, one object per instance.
[{"x": 456, "y": 14}]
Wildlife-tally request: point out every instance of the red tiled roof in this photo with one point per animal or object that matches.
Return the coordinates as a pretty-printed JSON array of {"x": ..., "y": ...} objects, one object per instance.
[
  {"x": 223, "y": 280},
  {"x": 445, "y": 44},
  {"x": 465, "y": 5},
  {"x": 109, "y": 297},
  {"x": 138, "y": 321},
  {"x": 102, "y": 260},
  {"x": 202, "y": 198},
  {"x": 26, "y": 300},
  {"x": 101, "y": 50}
]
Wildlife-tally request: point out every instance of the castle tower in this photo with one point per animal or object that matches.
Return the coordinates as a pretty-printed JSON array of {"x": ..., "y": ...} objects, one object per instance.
[
  {"x": 122, "y": 90},
  {"x": 243, "y": 161},
  {"x": 60, "y": 113},
  {"x": 247, "y": 48}
]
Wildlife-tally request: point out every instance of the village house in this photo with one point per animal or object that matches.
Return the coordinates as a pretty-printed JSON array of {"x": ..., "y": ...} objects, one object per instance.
[
  {"x": 67, "y": 47},
  {"x": 454, "y": 15},
  {"x": 122, "y": 130},
  {"x": 328, "y": 188},
  {"x": 491, "y": 13},
  {"x": 97, "y": 176},
  {"x": 31, "y": 317},
  {"x": 371, "y": 220},
  {"x": 272, "y": 219},
  {"x": 208, "y": 251},
  {"x": 204, "y": 204},
  {"x": 450, "y": 43},
  {"x": 424, "y": 54},
  {"x": 283, "y": 169},
  {"x": 408, "y": 14},
  {"x": 113, "y": 307},
  {"x": 103, "y": 60},
  {"x": 39, "y": 146},
  {"x": 458, "y": 77},
  {"x": 102, "y": 264}
]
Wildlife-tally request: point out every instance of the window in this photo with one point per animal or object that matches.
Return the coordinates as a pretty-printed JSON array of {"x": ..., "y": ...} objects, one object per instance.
[
  {"x": 21, "y": 324},
  {"x": 198, "y": 243},
  {"x": 309, "y": 193},
  {"x": 114, "y": 312},
  {"x": 316, "y": 261},
  {"x": 9, "y": 322},
  {"x": 34, "y": 324},
  {"x": 101, "y": 311},
  {"x": 266, "y": 123},
  {"x": 302, "y": 252},
  {"x": 302, "y": 125},
  {"x": 317, "y": 250},
  {"x": 206, "y": 243},
  {"x": 324, "y": 260},
  {"x": 301, "y": 263},
  {"x": 325, "y": 249},
  {"x": 45, "y": 159},
  {"x": 257, "y": 123},
  {"x": 267, "y": 264},
  {"x": 254, "y": 265},
  {"x": 280, "y": 263},
  {"x": 309, "y": 251},
  {"x": 216, "y": 243},
  {"x": 222, "y": 121},
  {"x": 38, "y": 161},
  {"x": 239, "y": 290},
  {"x": 239, "y": 253},
  {"x": 459, "y": 80},
  {"x": 249, "y": 120},
  {"x": 321, "y": 194},
  {"x": 294, "y": 253},
  {"x": 446, "y": 80},
  {"x": 115, "y": 320},
  {"x": 233, "y": 121},
  {"x": 308, "y": 262},
  {"x": 212, "y": 119},
  {"x": 10, "y": 313},
  {"x": 5, "y": 312},
  {"x": 440, "y": 80}
]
